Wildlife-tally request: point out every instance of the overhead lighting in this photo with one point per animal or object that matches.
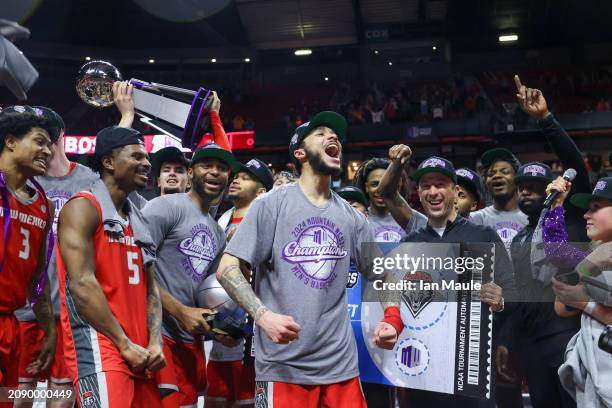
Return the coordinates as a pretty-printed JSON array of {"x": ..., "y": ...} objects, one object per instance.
[
  {"x": 87, "y": 58},
  {"x": 300, "y": 53},
  {"x": 376, "y": 52},
  {"x": 269, "y": 164},
  {"x": 508, "y": 38},
  {"x": 434, "y": 48},
  {"x": 247, "y": 60},
  {"x": 327, "y": 78},
  {"x": 151, "y": 61},
  {"x": 390, "y": 63}
]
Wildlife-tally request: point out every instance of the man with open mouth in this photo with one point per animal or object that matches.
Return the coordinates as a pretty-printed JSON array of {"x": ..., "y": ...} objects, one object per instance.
[
  {"x": 301, "y": 238},
  {"x": 504, "y": 215}
]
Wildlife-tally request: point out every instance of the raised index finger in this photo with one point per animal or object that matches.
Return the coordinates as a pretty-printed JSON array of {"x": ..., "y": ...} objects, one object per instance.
[{"x": 517, "y": 82}]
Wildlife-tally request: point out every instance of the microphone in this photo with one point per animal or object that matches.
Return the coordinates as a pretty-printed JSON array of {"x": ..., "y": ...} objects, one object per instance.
[{"x": 569, "y": 175}]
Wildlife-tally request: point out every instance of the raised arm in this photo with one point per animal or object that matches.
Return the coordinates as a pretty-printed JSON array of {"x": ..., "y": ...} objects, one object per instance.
[
  {"x": 42, "y": 308},
  {"x": 389, "y": 185},
  {"x": 216, "y": 124},
  {"x": 231, "y": 274},
  {"x": 124, "y": 101},
  {"x": 77, "y": 224}
]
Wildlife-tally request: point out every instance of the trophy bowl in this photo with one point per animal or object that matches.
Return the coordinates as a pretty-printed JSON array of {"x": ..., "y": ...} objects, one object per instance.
[{"x": 94, "y": 83}]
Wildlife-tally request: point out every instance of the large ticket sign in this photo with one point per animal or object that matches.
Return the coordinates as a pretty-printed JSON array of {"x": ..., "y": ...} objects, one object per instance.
[{"x": 446, "y": 344}]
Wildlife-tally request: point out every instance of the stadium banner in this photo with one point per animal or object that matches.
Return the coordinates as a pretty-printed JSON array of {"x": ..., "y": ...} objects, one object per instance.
[{"x": 446, "y": 344}]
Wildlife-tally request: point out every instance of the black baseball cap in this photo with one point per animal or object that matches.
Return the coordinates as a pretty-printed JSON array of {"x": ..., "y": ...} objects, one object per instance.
[
  {"x": 469, "y": 179},
  {"x": 435, "y": 164},
  {"x": 603, "y": 189},
  {"x": 166, "y": 155},
  {"x": 48, "y": 125},
  {"x": 259, "y": 170},
  {"x": 493, "y": 155},
  {"x": 214, "y": 151},
  {"x": 53, "y": 117},
  {"x": 332, "y": 120},
  {"x": 351, "y": 193},
  {"x": 116, "y": 136},
  {"x": 534, "y": 171}
]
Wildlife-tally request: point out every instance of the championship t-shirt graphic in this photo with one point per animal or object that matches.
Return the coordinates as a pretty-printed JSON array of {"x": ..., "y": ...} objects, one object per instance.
[
  {"x": 199, "y": 251},
  {"x": 317, "y": 247}
]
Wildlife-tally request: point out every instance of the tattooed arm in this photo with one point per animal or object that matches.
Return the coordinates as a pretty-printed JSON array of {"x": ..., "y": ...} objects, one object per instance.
[
  {"x": 154, "y": 319},
  {"x": 231, "y": 274}
]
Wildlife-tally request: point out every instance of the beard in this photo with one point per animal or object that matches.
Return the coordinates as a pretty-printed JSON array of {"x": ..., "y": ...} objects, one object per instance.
[
  {"x": 533, "y": 208},
  {"x": 198, "y": 186},
  {"x": 315, "y": 159}
]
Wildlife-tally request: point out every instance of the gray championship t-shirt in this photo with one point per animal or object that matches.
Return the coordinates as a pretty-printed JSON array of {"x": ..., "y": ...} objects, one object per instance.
[
  {"x": 387, "y": 230},
  {"x": 189, "y": 246},
  {"x": 302, "y": 254},
  {"x": 506, "y": 223},
  {"x": 59, "y": 190}
]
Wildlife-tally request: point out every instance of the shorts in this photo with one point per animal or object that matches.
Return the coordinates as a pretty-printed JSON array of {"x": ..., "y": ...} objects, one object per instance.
[
  {"x": 9, "y": 353},
  {"x": 345, "y": 394},
  {"x": 184, "y": 376},
  {"x": 31, "y": 338},
  {"x": 230, "y": 381},
  {"x": 116, "y": 389}
]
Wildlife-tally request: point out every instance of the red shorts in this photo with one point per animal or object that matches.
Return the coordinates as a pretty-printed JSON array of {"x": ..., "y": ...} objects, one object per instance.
[
  {"x": 230, "y": 381},
  {"x": 9, "y": 353},
  {"x": 185, "y": 373},
  {"x": 31, "y": 338},
  {"x": 345, "y": 394},
  {"x": 117, "y": 390}
]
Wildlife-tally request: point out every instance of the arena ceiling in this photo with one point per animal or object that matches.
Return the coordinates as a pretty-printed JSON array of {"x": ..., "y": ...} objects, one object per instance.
[{"x": 276, "y": 24}]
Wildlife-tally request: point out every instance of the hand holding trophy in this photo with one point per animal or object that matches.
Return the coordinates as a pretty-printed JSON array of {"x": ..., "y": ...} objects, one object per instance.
[{"x": 177, "y": 112}]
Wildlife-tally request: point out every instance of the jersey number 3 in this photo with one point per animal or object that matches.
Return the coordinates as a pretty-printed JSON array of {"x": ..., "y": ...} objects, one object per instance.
[
  {"x": 24, "y": 253},
  {"x": 132, "y": 257}
]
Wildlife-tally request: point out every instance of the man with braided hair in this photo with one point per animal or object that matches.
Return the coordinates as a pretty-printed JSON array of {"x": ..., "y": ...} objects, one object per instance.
[{"x": 390, "y": 215}]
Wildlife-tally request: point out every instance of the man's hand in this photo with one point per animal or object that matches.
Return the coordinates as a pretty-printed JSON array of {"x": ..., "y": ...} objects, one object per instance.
[
  {"x": 157, "y": 360},
  {"x": 561, "y": 185},
  {"x": 136, "y": 356},
  {"x": 502, "y": 356},
  {"x": 227, "y": 341},
  {"x": 122, "y": 96},
  {"x": 400, "y": 152},
  {"x": 194, "y": 321},
  {"x": 45, "y": 356},
  {"x": 385, "y": 336},
  {"x": 491, "y": 294},
  {"x": 215, "y": 106},
  {"x": 531, "y": 100},
  {"x": 574, "y": 296},
  {"x": 281, "y": 329}
]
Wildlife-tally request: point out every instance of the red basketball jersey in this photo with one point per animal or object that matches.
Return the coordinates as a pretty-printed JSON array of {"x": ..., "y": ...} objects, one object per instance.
[
  {"x": 120, "y": 273},
  {"x": 25, "y": 237}
]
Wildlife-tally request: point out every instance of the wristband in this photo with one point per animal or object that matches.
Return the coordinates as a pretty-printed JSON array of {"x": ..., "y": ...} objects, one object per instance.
[
  {"x": 394, "y": 318},
  {"x": 589, "y": 307},
  {"x": 259, "y": 312}
]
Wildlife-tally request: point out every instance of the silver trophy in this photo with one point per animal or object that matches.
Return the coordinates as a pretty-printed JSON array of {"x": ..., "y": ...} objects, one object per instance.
[{"x": 176, "y": 112}]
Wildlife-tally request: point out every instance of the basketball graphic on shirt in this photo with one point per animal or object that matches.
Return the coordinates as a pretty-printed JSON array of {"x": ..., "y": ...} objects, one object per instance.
[
  {"x": 199, "y": 251},
  {"x": 316, "y": 250}
]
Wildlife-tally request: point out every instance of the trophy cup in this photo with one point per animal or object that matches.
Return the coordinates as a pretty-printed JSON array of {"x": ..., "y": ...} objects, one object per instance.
[{"x": 176, "y": 112}]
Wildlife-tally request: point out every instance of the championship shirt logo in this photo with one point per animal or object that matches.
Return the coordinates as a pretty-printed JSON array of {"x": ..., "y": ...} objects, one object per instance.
[
  {"x": 317, "y": 247},
  {"x": 417, "y": 300},
  {"x": 199, "y": 251},
  {"x": 388, "y": 233},
  {"x": 534, "y": 169},
  {"x": 600, "y": 186},
  {"x": 507, "y": 230},
  {"x": 465, "y": 173},
  {"x": 433, "y": 163},
  {"x": 59, "y": 199}
]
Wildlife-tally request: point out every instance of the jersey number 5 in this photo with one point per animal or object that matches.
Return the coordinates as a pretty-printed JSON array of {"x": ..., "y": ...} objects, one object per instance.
[{"x": 132, "y": 257}]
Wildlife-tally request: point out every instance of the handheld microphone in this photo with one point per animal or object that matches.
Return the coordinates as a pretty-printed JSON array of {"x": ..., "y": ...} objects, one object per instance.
[{"x": 569, "y": 175}]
